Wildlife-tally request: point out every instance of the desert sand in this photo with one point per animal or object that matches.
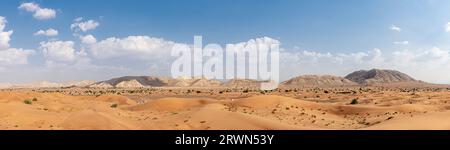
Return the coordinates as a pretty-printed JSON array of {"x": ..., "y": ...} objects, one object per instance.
[{"x": 210, "y": 109}]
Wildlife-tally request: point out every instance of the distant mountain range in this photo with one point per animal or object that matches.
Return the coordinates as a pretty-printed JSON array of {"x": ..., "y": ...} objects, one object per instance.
[
  {"x": 374, "y": 77},
  {"x": 47, "y": 84},
  {"x": 148, "y": 81}
]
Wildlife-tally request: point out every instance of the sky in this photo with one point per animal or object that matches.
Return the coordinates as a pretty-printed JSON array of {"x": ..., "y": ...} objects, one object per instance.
[{"x": 65, "y": 40}]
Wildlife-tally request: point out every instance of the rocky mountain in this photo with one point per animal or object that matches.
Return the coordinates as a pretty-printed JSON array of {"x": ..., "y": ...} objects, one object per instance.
[
  {"x": 317, "y": 81},
  {"x": 148, "y": 81},
  {"x": 374, "y": 77},
  {"x": 378, "y": 76}
]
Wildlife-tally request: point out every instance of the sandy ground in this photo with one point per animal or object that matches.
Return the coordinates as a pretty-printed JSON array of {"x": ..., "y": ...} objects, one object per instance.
[{"x": 270, "y": 111}]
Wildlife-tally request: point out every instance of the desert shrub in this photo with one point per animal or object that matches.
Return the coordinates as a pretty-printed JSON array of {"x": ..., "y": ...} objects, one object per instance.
[
  {"x": 113, "y": 106},
  {"x": 354, "y": 101},
  {"x": 34, "y": 99},
  {"x": 27, "y": 101}
]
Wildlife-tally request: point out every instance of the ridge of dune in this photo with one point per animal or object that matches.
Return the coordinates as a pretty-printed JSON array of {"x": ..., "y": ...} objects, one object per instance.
[
  {"x": 431, "y": 121},
  {"x": 170, "y": 104},
  {"x": 91, "y": 120},
  {"x": 117, "y": 99},
  {"x": 264, "y": 101},
  {"x": 215, "y": 115}
]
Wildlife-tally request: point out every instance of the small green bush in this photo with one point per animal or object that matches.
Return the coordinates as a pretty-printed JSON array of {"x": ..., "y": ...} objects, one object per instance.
[
  {"x": 354, "y": 101},
  {"x": 27, "y": 101},
  {"x": 114, "y": 106}
]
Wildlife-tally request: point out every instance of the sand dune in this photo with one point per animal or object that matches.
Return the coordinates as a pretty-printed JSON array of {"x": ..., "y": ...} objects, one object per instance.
[
  {"x": 34, "y": 110},
  {"x": 171, "y": 104},
  {"x": 117, "y": 99},
  {"x": 91, "y": 120},
  {"x": 432, "y": 121}
]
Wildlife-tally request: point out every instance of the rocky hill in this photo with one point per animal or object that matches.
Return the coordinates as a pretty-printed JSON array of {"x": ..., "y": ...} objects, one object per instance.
[
  {"x": 149, "y": 81},
  {"x": 378, "y": 76},
  {"x": 242, "y": 83},
  {"x": 317, "y": 81}
]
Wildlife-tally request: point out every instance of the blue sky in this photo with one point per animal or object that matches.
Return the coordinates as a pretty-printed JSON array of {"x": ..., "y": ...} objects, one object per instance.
[
  {"x": 342, "y": 28},
  {"x": 325, "y": 25}
]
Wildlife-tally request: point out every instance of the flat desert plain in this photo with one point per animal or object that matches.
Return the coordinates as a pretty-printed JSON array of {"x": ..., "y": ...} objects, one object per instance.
[{"x": 364, "y": 108}]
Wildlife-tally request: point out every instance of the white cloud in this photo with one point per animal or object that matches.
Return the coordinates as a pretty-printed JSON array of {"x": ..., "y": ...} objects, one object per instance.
[
  {"x": 48, "y": 32},
  {"x": 433, "y": 63},
  {"x": 88, "y": 39},
  {"x": 395, "y": 28},
  {"x": 2, "y": 23},
  {"x": 447, "y": 27},
  {"x": 78, "y": 19},
  {"x": 5, "y": 36},
  {"x": 143, "y": 47},
  {"x": 14, "y": 56},
  {"x": 84, "y": 26},
  {"x": 10, "y": 56},
  {"x": 58, "y": 51},
  {"x": 402, "y": 43},
  {"x": 38, "y": 12}
]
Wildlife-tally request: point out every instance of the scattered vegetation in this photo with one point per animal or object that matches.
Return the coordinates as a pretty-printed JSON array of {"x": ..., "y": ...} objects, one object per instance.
[
  {"x": 114, "y": 106},
  {"x": 354, "y": 101},
  {"x": 27, "y": 101}
]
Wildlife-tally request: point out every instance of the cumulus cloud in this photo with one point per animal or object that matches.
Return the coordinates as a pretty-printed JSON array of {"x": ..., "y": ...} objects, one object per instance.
[
  {"x": 88, "y": 39},
  {"x": 447, "y": 27},
  {"x": 10, "y": 56},
  {"x": 48, "y": 32},
  {"x": 395, "y": 28},
  {"x": 2, "y": 23},
  {"x": 142, "y": 47},
  {"x": 38, "y": 12},
  {"x": 80, "y": 25},
  {"x": 14, "y": 56},
  {"x": 5, "y": 36},
  {"x": 402, "y": 43},
  {"x": 58, "y": 51}
]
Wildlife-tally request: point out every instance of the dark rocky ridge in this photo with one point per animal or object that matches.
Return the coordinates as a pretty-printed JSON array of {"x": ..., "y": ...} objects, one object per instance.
[
  {"x": 378, "y": 76},
  {"x": 317, "y": 81}
]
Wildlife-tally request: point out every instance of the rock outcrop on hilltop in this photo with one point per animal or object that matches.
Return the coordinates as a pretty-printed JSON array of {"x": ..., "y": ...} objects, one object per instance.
[{"x": 129, "y": 84}]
